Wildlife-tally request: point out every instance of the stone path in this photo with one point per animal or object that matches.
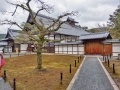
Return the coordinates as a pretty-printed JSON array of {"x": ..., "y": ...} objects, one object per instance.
[
  {"x": 5, "y": 85},
  {"x": 92, "y": 76}
]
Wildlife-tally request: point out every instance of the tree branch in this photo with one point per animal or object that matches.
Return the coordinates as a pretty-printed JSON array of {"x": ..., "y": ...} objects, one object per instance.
[{"x": 18, "y": 5}]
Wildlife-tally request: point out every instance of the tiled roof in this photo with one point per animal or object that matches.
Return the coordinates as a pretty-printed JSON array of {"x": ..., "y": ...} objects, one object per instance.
[
  {"x": 13, "y": 33},
  {"x": 98, "y": 35},
  {"x": 112, "y": 41},
  {"x": 65, "y": 28},
  {"x": 70, "y": 43},
  {"x": 69, "y": 30}
]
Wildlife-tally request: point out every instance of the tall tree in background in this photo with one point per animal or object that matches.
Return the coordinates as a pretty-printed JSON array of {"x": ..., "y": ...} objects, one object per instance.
[
  {"x": 114, "y": 23},
  {"x": 38, "y": 27}
]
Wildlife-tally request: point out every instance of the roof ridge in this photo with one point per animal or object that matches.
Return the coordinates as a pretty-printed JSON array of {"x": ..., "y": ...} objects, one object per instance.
[
  {"x": 95, "y": 33},
  {"x": 44, "y": 16}
]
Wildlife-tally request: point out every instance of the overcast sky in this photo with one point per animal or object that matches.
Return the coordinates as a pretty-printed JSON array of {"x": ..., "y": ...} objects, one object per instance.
[{"x": 91, "y": 12}]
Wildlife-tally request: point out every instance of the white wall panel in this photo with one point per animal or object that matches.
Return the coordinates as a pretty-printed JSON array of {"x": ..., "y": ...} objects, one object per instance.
[
  {"x": 75, "y": 53},
  {"x": 69, "y": 47},
  {"x": 56, "y": 48},
  {"x": 74, "y": 49},
  {"x": 56, "y": 51},
  {"x": 115, "y": 49},
  {"x": 81, "y": 52},
  {"x": 64, "y": 52},
  {"x": 60, "y": 52},
  {"x": 116, "y": 44},
  {"x": 65, "y": 48},
  {"x": 23, "y": 47},
  {"x": 57, "y": 37},
  {"x": 63, "y": 41},
  {"x": 69, "y": 52},
  {"x": 52, "y": 38},
  {"x": 115, "y": 54},
  {"x": 60, "y": 48},
  {"x": 81, "y": 45},
  {"x": 81, "y": 48}
]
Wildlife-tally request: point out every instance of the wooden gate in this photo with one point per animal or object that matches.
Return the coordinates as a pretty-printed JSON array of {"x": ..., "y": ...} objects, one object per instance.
[{"x": 93, "y": 48}]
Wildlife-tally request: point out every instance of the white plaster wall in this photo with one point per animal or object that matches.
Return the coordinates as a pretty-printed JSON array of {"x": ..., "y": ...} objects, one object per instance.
[
  {"x": 69, "y": 52},
  {"x": 65, "y": 48},
  {"x": 51, "y": 38},
  {"x": 74, "y": 48},
  {"x": 63, "y": 41},
  {"x": 75, "y": 53},
  {"x": 56, "y": 51},
  {"x": 81, "y": 49},
  {"x": 116, "y": 49},
  {"x": 69, "y": 48},
  {"x": 60, "y": 52},
  {"x": 56, "y": 48},
  {"x": 23, "y": 47},
  {"x": 64, "y": 52},
  {"x": 57, "y": 37},
  {"x": 60, "y": 48}
]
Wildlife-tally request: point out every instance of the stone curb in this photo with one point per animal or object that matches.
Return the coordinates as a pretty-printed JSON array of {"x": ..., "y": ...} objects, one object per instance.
[
  {"x": 75, "y": 76},
  {"x": 109, "y": 77}
]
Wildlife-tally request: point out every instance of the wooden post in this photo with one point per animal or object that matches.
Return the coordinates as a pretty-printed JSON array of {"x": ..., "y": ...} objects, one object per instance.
[
  {"x": 75, "y": 63},
  {"x": 4, "y": 76},
  {"x": 108, "y": 63},
  {"x": 105, "y": 59},
  {"x": 78, "y": 59},
  {"x": 110, "y": 55},
  {"x": 14, "y": 84},
  {"x": 61, "y": 77},
  {"x": 70, "y": 68},
  {"x": 10, "y": 54},
  {"x": 113, "y": 68}
]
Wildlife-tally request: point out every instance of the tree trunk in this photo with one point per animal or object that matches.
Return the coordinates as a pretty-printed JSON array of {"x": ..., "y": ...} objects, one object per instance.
[{"x": 39, "y": 55}]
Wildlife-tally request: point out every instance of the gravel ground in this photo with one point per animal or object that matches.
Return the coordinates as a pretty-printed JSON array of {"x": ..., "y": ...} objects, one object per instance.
[{"x": 92, "y": 76}]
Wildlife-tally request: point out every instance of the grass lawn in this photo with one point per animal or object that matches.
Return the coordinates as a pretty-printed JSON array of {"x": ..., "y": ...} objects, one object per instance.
[
  {"x": 115, "y": 76},
  {"x": 27, "y": 78}
]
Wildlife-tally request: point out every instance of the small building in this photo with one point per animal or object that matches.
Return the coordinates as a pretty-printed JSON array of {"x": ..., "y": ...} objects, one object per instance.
[
  {"x": 93, "y": 43},
  {"x": 12, "y": 45}
]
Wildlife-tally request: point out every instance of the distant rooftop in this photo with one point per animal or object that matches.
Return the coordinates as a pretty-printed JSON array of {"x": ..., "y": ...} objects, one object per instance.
[
  {"x": 98, "y": 35},
  {"x": 13, "y": 33},
  {"x": 66, "y": 28}
]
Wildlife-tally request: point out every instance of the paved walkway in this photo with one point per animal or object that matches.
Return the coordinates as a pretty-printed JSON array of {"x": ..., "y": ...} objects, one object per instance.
[
  {"x": 5, "y": 85},
  {"x": 92, "y": 76}
]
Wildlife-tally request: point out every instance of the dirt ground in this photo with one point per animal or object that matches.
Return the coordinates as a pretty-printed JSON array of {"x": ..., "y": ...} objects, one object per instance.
[
  {"x": 116, "y": 75},
  {"x": 23, "y": 69}
]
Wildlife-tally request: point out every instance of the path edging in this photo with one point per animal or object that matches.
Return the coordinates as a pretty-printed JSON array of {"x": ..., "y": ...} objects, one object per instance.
[
  {"x": 75, "y": 76},
  {"x": 109, "y": 77}
]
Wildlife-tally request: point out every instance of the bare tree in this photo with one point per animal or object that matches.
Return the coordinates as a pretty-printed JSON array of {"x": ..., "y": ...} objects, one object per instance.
[{"x": 38, "y": 27}]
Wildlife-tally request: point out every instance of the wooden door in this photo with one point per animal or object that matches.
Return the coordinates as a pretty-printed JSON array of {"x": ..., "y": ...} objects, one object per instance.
[
  {"x": 93, "y": 48},
  {"x": 97, "y": 48},
  {"x": 88, "y": 48}
]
